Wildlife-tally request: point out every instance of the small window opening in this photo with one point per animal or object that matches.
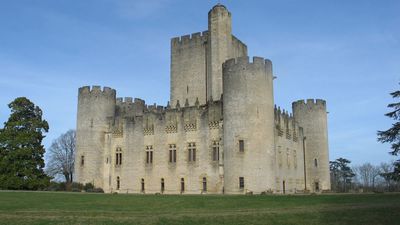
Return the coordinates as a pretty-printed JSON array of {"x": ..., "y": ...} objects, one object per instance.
[
  {"x": 204, "y": 184},
  {"x": 162, "y": 185},
  {"x": 182, "y": 185},
  {"x": 82, "y": 160},
  {"x": 142, "y": 185},
  {"x": 315, "y": 162},
  {"x": 118, "y": 183},
  {"x": 241, "y": 145},
  {"x": 241, "y": 182}
]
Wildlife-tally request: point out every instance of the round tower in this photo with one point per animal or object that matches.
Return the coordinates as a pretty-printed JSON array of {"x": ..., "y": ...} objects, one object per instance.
[
  {"x": 312, "y": 117},
  {"x": 96, "y": 108},
  {"x": 248, "y": 112}
]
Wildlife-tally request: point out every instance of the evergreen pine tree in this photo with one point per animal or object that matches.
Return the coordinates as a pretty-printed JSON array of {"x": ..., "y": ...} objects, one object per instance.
[
  {"x": 392, "y": 135},
  {"x": 21, "y": 149}
]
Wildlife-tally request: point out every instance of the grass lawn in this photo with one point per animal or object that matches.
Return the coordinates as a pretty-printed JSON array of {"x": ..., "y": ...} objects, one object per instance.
[{"x": 81, "y": 208}]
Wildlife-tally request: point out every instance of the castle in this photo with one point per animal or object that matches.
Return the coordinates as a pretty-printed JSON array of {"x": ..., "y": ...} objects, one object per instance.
[{"x": 220, "y": 132}]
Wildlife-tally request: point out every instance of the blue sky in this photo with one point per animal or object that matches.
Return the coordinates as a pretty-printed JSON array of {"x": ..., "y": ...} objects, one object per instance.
[{"x": 347, "y": 52}]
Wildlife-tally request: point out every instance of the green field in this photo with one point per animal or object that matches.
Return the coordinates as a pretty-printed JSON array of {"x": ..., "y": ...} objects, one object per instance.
[{"x": 81, "y": 208}]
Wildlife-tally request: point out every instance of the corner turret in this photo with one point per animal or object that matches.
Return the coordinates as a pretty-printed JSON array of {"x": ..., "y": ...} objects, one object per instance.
[
  {"x": 312, "y": 117},
  {"x": 96, "y": 107}
]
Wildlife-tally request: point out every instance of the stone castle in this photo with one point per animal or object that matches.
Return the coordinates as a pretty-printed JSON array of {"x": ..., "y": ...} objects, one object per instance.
[{"x": 220, "y": 132}]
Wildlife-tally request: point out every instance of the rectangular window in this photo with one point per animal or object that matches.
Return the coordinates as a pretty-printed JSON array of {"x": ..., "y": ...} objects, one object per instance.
[
  {"x": 172, "y": 153},
  {"x": 215, "y": 151},
  {"x": 149, "y": 154},
  {"x": 191, "y": 152},
  {"x": 241, "y": 145},
  {"x": 118, "y": 157},
  {"x": 241, "y": 182}
]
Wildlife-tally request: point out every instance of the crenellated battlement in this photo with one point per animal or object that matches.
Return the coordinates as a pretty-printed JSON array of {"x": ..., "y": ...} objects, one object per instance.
[
  {"x": 130, "y": 100},
  {"x": 96, "y": 90},
  {"x": 286, "y": 124},
  {"x": 198, "y": 37},
  {"x": 166, "y": 119},
  {"x": 310, "y": 104},
  {"x": 87, "y": 91},
  {"x": 244, "y": 62}
]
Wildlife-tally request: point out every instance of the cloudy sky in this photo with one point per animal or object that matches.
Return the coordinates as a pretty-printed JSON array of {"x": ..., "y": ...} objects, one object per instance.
[{"x": 347, "y": 52}]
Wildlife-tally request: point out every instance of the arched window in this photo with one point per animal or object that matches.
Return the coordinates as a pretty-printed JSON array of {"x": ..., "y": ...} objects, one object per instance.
[
  {"x": 182, "y": 185},
  {"x": 118, "y": 183},
  {"x": 162, "y": 185},
  {"x": 204, "y": 184},
  {"x": 315, "y": 162},
  {"x": 142, "y": 185}
]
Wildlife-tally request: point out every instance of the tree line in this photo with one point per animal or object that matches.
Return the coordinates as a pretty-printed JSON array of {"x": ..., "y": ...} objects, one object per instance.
[{"x": 362, "y": 178}]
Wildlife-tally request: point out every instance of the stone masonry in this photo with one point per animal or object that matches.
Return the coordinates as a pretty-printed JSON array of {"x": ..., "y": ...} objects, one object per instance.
[{"x": 220, "y": 132}]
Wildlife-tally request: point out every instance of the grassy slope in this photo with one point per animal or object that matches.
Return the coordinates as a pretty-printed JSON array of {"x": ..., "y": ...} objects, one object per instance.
[{"x": 79, "y": 208}]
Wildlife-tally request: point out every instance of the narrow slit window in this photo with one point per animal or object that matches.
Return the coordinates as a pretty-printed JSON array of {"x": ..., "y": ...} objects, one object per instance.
[
  {"x": 215, "y": 151},
  {"x": 182, "y": 185},
  {"x": 241, "y": 145},
  {"x": 204, "y": 184}
]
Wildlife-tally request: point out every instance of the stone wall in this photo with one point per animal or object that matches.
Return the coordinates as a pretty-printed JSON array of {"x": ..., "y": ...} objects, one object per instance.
[
  {"x": 161, "y": 127},
  {"x": 248, "y": 121},
  {"x": 289, "y": 155}
]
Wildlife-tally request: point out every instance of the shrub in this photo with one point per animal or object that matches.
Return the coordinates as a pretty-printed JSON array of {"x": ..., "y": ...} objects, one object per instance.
[
  {"x": 76, "y": 185},
  {"x": 88, "y": 187}
]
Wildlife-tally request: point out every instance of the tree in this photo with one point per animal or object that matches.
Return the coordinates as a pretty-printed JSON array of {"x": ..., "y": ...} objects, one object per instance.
[
  {"x": 62, "y": 156},
  {"x": 368, "y": 174},
  {"x": 21, "y": 149},
  {"x": 392, "y": 135},
  {"x": 341, "y": 173},
  {"x": 386, "y": 172}
]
